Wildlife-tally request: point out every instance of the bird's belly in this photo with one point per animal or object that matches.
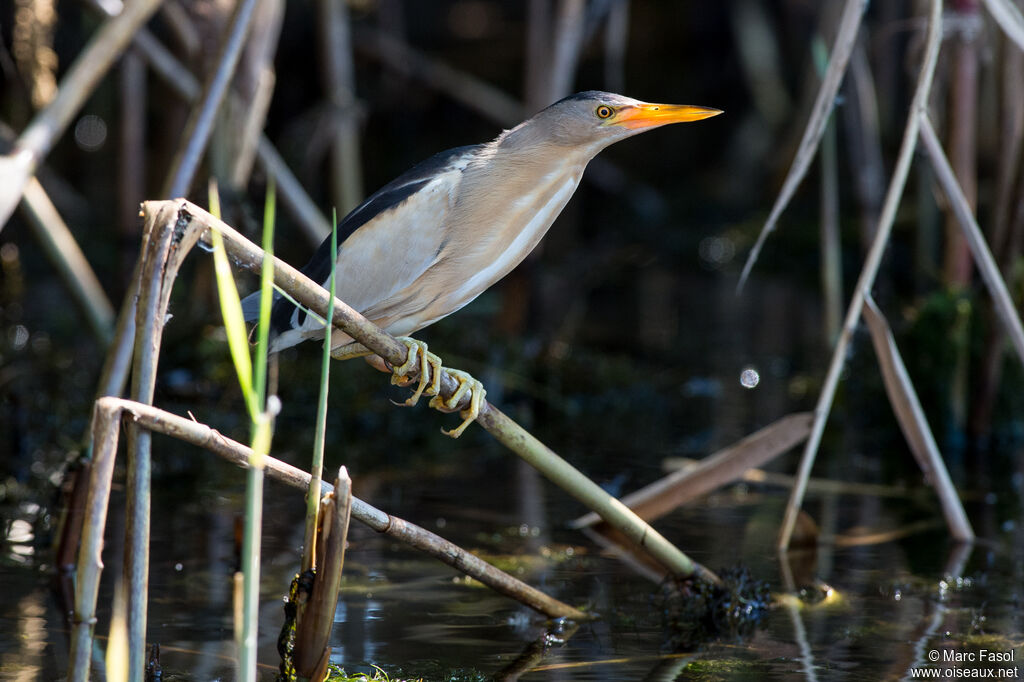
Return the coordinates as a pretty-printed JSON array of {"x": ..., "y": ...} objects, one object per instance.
[
  {"x": 513, "y": 234},
  {"x": 502, "y": 240}
]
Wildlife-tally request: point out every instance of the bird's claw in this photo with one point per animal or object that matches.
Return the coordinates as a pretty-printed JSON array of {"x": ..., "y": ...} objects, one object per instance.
[
  {"x": 429, "y": 365},
  {"x": 466, "y": 383}
]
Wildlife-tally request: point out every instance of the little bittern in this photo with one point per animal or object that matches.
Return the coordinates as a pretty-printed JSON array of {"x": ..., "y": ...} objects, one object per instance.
[{"x": 436, "y": 237}]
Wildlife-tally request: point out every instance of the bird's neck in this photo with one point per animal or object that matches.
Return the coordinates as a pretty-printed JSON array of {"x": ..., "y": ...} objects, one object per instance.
[{"x": 527, "y": 144}]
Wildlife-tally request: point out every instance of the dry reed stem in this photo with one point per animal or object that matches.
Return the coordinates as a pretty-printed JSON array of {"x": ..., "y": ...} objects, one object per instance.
[
  {"x": 340, "y": 87},
  {"x": 106, "y": 424},
  {"x": 907, "y": 408},
  {"x": 823, "y": 486},
  {"x": 200, "y": 123},
  {"x": 313, "y": 629},
  {"x": 154, "y": 419},
  {"x": 846, "y": 38},
  {"x": 870, "y": 268},
  {"x": 714, "y": 471},
  {"x": 313, "y": 224},
  {"x": 167, "y": 242},
  {"x": 66, "y": 256},
  {"x": 35, "y": 142},
  {"x": 1009, "y": 18},
  {"x": 472, "y": 92}
]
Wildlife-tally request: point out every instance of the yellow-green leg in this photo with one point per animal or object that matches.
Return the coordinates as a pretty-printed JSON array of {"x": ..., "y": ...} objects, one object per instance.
[{"x": 429, "y": 365}]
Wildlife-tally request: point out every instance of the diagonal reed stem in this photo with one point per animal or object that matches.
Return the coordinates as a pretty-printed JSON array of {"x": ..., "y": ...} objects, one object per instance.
[
  {"x": 870, "y": 269},
  {"x": 975, "y": 239},
  {"x": 839, "y": 57}
]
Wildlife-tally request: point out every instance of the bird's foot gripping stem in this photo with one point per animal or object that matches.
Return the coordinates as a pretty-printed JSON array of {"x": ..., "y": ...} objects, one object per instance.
[
  {"x": 429, "y": 365},
  {"x": 466, "y": 383}
]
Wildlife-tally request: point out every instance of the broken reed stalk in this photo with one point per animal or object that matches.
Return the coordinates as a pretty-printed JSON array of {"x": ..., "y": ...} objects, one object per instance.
[
  {"x": 869, "y": 270},
  {"x": 165, "y": 247},
  {"x": 105, "y": 431},
  {"x": 524, "y": 444},
  {"x": 714, "y": 471},
  {"x": 313, "y": 627},
  {"x": 910, "y": 416}
]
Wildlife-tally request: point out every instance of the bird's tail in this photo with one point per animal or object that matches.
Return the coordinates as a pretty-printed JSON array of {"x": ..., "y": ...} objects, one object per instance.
[
  {"x": 251, "y": 305},
  {"x": 285, "y": 331}
]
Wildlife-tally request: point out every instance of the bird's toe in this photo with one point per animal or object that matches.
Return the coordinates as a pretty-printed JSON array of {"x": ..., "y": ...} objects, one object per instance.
[{"x": 467, "y": 384}]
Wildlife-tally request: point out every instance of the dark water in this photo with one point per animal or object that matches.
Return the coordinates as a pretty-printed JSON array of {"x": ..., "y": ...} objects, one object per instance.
[
  {"x": 868, "y": 612},
  {"x": 615, "y": 406}
]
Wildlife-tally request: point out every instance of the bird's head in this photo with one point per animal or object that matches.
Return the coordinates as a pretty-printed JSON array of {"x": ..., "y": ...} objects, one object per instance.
[{"x": 593, "y": 120}]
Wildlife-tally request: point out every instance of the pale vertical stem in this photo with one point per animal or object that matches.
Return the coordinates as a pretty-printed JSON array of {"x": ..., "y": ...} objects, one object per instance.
[
  {"x": 106, "y": 427},
  {"x": 251, "y": 570},
  {"x": 831, "y": 249},
  {"x": 317, "y": 466},
  {"x": 340, "y": 84},
  {"x": 870, "y": 269},
  {"x": 136, "y": 571},
  {"x": 158, "y": 267},
  {"x": 200, "y": 124}
]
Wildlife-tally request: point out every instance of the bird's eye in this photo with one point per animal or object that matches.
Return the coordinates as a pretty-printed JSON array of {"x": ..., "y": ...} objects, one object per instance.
[{"x": 604, "y": 111}]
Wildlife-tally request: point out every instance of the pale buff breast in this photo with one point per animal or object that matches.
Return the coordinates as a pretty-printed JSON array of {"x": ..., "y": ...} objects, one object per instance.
[{"x": 495, "y": 223}]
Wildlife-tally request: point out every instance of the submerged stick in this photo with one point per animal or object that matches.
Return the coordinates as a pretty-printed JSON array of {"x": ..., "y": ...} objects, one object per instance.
[
  {"x": 909, "y": 414},
  {"x": 870, "y": 269},
  {"x": 201, "y": 435}
]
